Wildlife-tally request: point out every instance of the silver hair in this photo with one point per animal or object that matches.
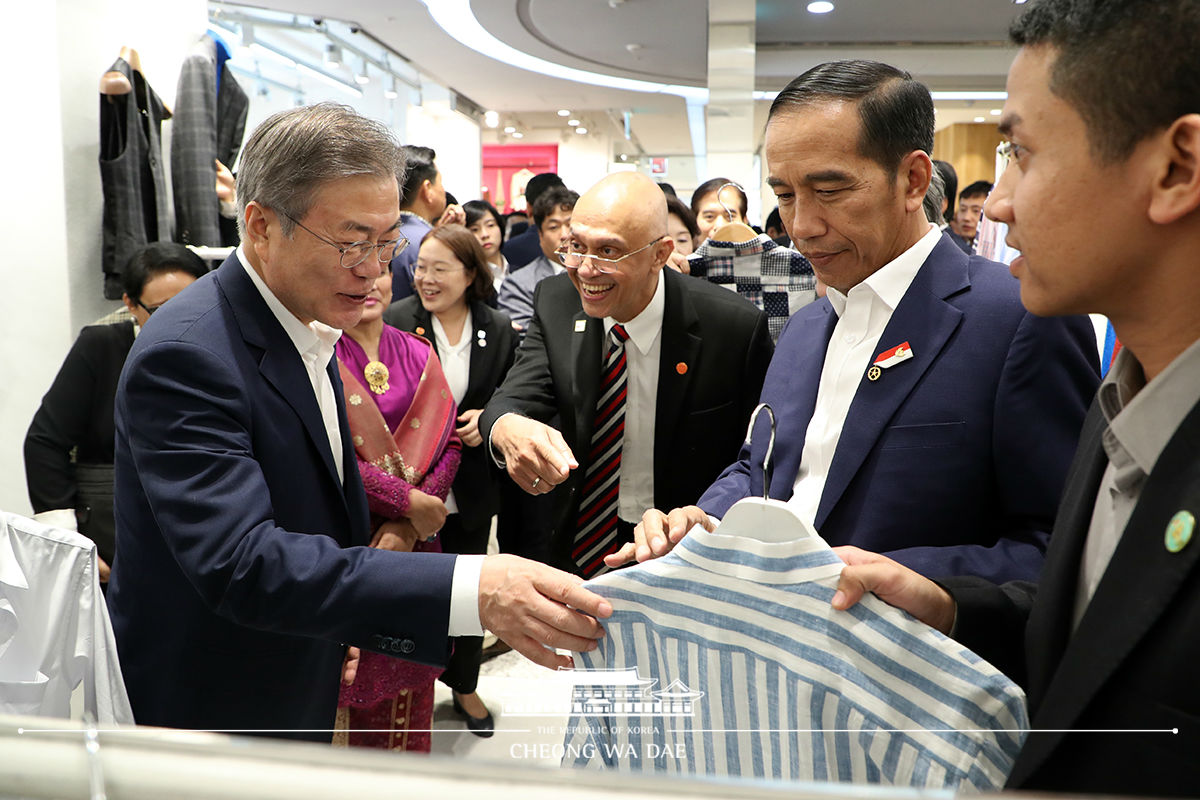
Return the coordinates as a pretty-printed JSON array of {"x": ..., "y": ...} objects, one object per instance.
[
  {"x": 292, "y": 154},
  {"x": 934, "y": 196}
]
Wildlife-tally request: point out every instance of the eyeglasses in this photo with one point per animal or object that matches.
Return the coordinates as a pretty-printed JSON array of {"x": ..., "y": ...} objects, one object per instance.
[
  {"x": 356, "y": 253},
  {"x": 606, "y": 266},
  {"x": 149, "y": 309},
  {"x": 1009, "y": 154},
  {"x": 435, "y": 272}
]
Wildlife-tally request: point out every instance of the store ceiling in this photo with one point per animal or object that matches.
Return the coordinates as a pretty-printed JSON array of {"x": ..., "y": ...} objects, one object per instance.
[{"x": 948, "y": 44}]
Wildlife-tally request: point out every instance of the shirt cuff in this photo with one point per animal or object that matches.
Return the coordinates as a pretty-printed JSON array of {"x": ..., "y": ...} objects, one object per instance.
[
  {"x": 500, "y": 462},
  {"x": 58, "y": 518},
  {"x": 464, "y": 597}
]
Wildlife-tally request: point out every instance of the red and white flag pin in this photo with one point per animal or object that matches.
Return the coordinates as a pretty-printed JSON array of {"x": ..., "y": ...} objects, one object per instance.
[{"x": 889, "y": 358}]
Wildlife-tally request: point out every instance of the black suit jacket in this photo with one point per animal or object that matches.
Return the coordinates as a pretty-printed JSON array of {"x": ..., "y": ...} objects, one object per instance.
[
  {"x": 1131, "y": 664},
  {"x": 715, "y": 351},
  {"x": 493, "y": 347}
]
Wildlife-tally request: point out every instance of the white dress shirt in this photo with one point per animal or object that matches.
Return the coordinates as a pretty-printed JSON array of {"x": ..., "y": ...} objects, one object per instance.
[
  {"x": 314, "y": 343},
  {"x": 55, "y": 635},
  {"x": 863, "y": 313},
  {"x": 456, "y": 366},
  {"x": 636, "y": 492}
]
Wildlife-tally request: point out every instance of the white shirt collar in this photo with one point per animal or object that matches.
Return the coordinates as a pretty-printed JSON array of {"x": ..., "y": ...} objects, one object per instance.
[
  {"x": 11, "y": 573},
  {"x": 443, "y": 341},
  {"x": 643, "y": 329},
  {"x": 891, "y": 281},
  {"x": 316, "y": 338}
]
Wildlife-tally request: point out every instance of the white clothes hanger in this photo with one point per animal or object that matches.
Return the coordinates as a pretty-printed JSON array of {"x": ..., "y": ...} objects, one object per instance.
[{"x": 761, "y": 517}]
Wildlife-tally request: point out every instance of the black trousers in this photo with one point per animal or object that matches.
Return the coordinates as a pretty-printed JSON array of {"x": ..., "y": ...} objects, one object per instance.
[{"x": 462, "y": 670}]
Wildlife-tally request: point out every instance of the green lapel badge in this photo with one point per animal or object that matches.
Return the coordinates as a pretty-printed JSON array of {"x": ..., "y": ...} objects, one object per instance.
[{"x": 1179, "y": 531}]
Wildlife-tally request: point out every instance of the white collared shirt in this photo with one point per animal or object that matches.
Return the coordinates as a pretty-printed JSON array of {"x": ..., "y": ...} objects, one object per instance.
[
  {"x": 456, "y": 366},
  {"x": 636, "y": 492},
  {"x": 315, "y": 343},
  {"x": 863, "y": 313}
]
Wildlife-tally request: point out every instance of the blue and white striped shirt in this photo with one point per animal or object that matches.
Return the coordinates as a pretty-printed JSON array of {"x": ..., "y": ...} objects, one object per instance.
[{"x": 792, "y": 689}]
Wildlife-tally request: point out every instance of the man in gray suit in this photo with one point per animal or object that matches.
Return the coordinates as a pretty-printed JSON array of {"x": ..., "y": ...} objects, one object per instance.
[{"x": 552, "y": 218}]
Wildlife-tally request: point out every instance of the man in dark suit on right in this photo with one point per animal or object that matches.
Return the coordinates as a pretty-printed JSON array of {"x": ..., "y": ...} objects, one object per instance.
[
  {"x": 653, "y": 375},
  {"x": 1102, "y": 112}
]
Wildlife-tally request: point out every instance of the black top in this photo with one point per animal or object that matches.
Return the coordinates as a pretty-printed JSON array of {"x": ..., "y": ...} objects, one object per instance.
[{"x": 77, "y": 412}]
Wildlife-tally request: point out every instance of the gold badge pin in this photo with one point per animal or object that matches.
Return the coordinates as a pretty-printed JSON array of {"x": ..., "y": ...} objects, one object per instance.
[
  {"x": 1179, "y": 531},
  {"x": 873, "y": 373}
]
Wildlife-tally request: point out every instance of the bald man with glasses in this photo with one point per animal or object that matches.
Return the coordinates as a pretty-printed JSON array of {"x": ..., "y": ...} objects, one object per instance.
[{"x": 653, "y": 375}]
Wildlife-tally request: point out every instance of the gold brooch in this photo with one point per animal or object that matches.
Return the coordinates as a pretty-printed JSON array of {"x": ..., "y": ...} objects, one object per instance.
[{"x": 377, "y": 376}]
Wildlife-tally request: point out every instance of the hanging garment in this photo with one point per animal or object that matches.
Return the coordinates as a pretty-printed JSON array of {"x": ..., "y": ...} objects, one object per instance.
[
  {"x": 749, "y": 672},
  {"x": 55, "y": 635},
  {"x": 136, "y": 208},
  {"x": 209, "y": 125},
  {"x": 777, "y": 279}
]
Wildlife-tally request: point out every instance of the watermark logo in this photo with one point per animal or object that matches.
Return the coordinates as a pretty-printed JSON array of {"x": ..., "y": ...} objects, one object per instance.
[{"x": 612, "y": 692}]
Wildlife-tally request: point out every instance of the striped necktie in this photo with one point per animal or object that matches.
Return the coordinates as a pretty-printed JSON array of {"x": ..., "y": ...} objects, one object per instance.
[{"x": 596, "y": 527}]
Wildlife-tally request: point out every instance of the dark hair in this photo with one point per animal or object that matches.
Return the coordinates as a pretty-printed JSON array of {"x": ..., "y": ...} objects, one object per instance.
[
  {"x": 975, "y": 190},
  {"x": 712, "y": 186},
  {"x": 950, "y": 184},
  {"x": 418, "y": 162},
  {"x": 667, "y": 189},
  {"x": 551, "y": 200},
  {"x": 894, "y": 109},
  {"x": 774, "y": 220},
  {"x": 158, "y": 258},
  {"x": 675, "y": 206},
  {"x": 538, "y": 184},
  {"x": 1129, "y": 68},
  {"x": 466, "y": 248},
  {"x": 477, "y": 209}
]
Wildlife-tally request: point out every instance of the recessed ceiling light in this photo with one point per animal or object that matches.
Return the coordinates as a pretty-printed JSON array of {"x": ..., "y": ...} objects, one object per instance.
[
  {"x": 581, "y": 131},
  {"x": 333, "y": 56},
  {"x": 980, "y": 119},
  {"x": 995, "y": 112},
  {"x": 509, "y": 129},
  {"x": 820, "y": 7},
  {"x": 574, "y": 123},
  {"x": 518, "y": 135},
  {"x": 491, "y": 118},
  {"x": 562, "y": 112}
]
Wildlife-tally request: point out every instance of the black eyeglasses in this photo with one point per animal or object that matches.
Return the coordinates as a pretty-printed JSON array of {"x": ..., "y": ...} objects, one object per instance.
[
  {"x": 357, "y": 252},
  {"x": 149, "y": 309}
]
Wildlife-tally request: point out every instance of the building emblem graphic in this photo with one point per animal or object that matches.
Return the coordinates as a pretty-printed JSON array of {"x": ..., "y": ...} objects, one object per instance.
[{"x": 614, "y": 692}]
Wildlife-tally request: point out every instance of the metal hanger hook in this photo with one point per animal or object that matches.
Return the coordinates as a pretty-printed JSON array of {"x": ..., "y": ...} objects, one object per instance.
[{"x": 729, "y": 213}]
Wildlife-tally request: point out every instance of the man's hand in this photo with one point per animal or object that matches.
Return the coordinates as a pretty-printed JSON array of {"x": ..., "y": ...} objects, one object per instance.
[
  {"x": 453, "y": 214},
  {"x": 894, "y": 584},
  {"x": 658, "y": 533},
  {"x": 678, "y": 262},
  {"x": 350, "y": 665},
  {"x": 532, "y": 607},
  {"x": 226, "y": 188},
  {"x": 395, "y": 534},
  {"x": 426, "y": 513},
  {"x": 538, "y": 458},
  {"x": 104, "y": 569},
  {"x": 468, "y": 427}
]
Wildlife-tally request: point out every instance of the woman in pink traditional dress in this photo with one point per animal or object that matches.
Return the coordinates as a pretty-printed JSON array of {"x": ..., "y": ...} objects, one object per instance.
[{"x": 394, "y": 378}]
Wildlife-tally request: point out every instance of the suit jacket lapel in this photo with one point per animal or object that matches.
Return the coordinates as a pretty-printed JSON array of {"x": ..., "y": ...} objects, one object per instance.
[
  {"x": 586, "y": 346},
  {"x": 801, "y": 382},
  {"x": 680, "y": 348},
  {"x": 279, "y": 362},
  {"x": 479, "y": 377},
  {"x": 1140, "y": 582},
  {"x": 925, "y": 321}
]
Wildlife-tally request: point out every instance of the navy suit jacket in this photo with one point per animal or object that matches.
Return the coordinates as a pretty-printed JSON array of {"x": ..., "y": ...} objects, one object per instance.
[
  {"x": 241, "y": 562},
  {"x": 522, "y": 248},
  {"x": 953, "y": 461}
]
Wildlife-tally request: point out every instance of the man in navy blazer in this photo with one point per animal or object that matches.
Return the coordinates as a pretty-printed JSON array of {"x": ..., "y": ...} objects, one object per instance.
[
  {"x": 921, "y": 410},
  {"x": 242, "y": 567}
]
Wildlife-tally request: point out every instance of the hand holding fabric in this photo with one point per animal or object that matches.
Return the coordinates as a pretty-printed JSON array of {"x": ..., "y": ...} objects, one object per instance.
[
  {"x": 895, "y": 585},
  {"x": 533, "y": 607}
]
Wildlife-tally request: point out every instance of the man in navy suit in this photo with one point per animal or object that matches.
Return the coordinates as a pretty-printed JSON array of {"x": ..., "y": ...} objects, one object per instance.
[
  {"x": 921, "y": 410},
  {"x": 242, "y": 570}
]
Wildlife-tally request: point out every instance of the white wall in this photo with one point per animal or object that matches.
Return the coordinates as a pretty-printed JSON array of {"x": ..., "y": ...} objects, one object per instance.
[
  {"x": 51, "y": 209},
  {"x": 455, "y": 138}
]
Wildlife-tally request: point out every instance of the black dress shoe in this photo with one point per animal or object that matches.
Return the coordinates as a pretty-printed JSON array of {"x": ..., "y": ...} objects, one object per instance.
[{"x": 483, "y": 728}]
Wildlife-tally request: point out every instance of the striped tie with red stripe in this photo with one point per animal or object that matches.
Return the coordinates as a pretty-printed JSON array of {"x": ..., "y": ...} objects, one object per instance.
[{"x": 596, "y": 526}]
